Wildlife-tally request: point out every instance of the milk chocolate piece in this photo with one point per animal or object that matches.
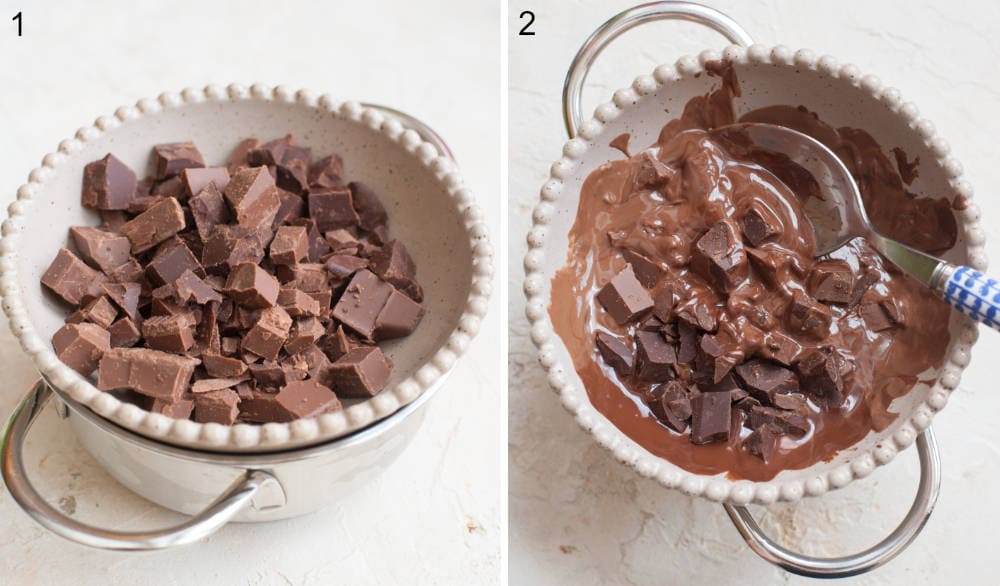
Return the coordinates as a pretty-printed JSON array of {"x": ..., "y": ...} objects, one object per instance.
[
  {"x": 264, "y": 408},
  {"x": 190, "y": 287},
  {"x": 268, "y": 375},
  {"x": 764, "y": 379},
  {"x": 809, "y": 316},
  {"x": 361, "y": 302},
  {"x": 710, "y": 417},
  {"x": 654, "y": 357},
  {"x": 99, "y": 311},
  {"x": 217, "y": 407},
  {"x": 290, "y": 245},
  {"x": 361, "y": 373},
  {"x": 663, "y": 303},
  {"x": 251, "y": 286},
  {"x": 161, "y": 221},
  {"x": 126, "y": 296},
  {"x": 332, "y": 208},
  {"x": 180, "y": 410},
  {"x": 81, "y": 346},
  {"x": 267, "y": 336},
  {"x": 759, "y": 226},
  {"x": 832, "y": 281},
  {"x": 291, "y": 206},
  {"x": 70, "y": 278},
  {"x": 397, "y": 318},
  {"x": 368, "y": 205},
  {"x": 342, "y": 241},
  {"x": 652, "y": 173},
  {"x": 720, "y": 258},
  {"x": 307, "y": 399},
  {"x": 102, "y": 249},
  {"x": 763, "y": 441},
  {"x": 108, "y": 184},
  {"x": 337, "y": 343},
  {"x": 173, "y": 187},
  {"x": 170, "y": 159},
  {"x": 208, "y": 385},
  {"x": 698, "y": 315},
  {"x": 789, "y": 422},
  {"x": 229, "y": 246},
  {"x": 615, "y": 353},
  {"x": 862, "y": 285},
  {"x": 149, "y": 372},
  {"x": 171, "y": 261},
  {"x": 297, "y": 303},
  {"x": 624, "y": 297},
  {"x": 880, "y": 315},
  {"x": 646, "y": 271},
  {"x": 170, "y": 333},
  {"x": 223, "y": 366},
  {"x": 130, "y": 272},
  {"x": 197, "y": 179},
  {"x": 342, "y": 266},
  {"x": 327, "y": 172},
  {"x": 208, "y": 209},
  {"x": 252, "y": 193},
  {"x": 124, "y": 333},
  {"x": 318, "y": 246},
  {"x": 304, "y": 333},
  {"x": 238, "y": 158},
  {"x": 820, "y": 376}
]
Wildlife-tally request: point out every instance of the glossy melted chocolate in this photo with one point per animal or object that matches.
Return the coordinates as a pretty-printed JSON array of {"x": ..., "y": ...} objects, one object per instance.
[{"x": 718, "y": 176}]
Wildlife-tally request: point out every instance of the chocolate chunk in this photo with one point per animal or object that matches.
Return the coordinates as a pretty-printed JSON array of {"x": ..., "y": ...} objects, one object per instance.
[
  {"x": 253, "y": 196},
  {"x": 298, "y": 303},
  {"x": 780, "y": 348},
  {"x": 763, "y": 441},
  {"x": 308, "y": 277},
  {"x": 208, "y": 208},
  {"x": 130, "y": 272},
  {"x": 651, "y": 323},
  {"x": 198, "y": 179},
  {"x": 719, "y": 257},
  {"x": 647, "y": 271},
  {"x": 654, "y": 357},
  {"x": 291, "y": 206},
  {"x": 687, "y": 346},
  {"x": 624, "y": 297},
  {"x": 861, "y": 285},
  {"x": 820, "y": 376},
  {"x": 190, "y": 288},
  {"x": 307, "y": 399},
  {"x": 229, "y": 246},
  {"x": 267, "y": 336},
  {"x": 171, "y": 261},
  {"x": 881, "y": 315},
  {"x": 124, "y": 333},
  {"x": 208, "y": 385},
  {"x": 112, "y": 220},
  {"x": 789, "y": 422},
  {"x": 764, "y": 379},
  {"x": 342, "y": 241},
  {"x": 223, "y": 366},
  {"x": 809, "y": 316},
  {"x": 102, "y": 249},
  {"x": 161, "y": 221},
  {"x": 394, "y": 264},
  {"x": 126, "y": 296},
  {"x": 342, "y": 266},
  {"x": 361, "y": 303},
  {"x": 268, "y": 375},
  {"x": 832, "y": 281},
  {"x": 171, "y": 159},
  {"x": 81, "y": 346},
  {"x": 99, "y": 311},
  {"x": 361, "y": 373},
  {"x": 789, "y": 401},
  {"x": 671, "y": 405},
  {"x": 397, "y": 318},
  {"x": 108, "y": 184},
  {"x": 217, "y": 407},
  {"x": 290, "y": 245},
  {"x": 170, "y": 333},
  {"x": 713, "y": 361},
  {"x": 332, "y": 208},
  {"x": 699, "y": 315},
  {"x": 181, "y": 409},
  {"x": 663, "y": 303},
  {"x": 70, "y": 278},
  {"x": 304, "y": 333},
  {"x": 727, "y": 384},
  {"x": 651, "y": 173},
  {"x": 710, "y": 417},
  {"x": 173, "y": 187},
  {"x": 337, "y": 343},
  {"x": 149, "y": 372},
  {"x": 615, "y": 353},
  {"x": 263, "y": 407},
  {"x": 370, "y": 210},
  {"x": 759, "y": 226},
  {"x": 238, "y": 158},
  {"x": 327, "y": 172},
  {"x": 251, "y": 286},
  {"x": 318, "y": 246}
]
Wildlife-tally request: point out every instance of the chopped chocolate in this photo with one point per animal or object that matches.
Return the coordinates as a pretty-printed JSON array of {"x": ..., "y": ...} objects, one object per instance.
[
  {"x": 99, "y": 311},
  {"x": 698, "y": 315},
  {"x": 759, "y": 226},
  {"x": 290, "y": 245},
  {"x": 197, "y": 179},
  {"x": 229, "y": 246},
  {"x": 307, "y": 399},
  {"x": 208, "y": 208},
  {"x": 719, "y": 257},
  {"x": 652, "y": 173},
  {"x": 124, "y": 333},
  {"x": 126, "y": 296},
  {"x": 149, "y": 372},
  {"x": 238, "y": 158},
  {"x": 251, "y": 286},
  {"x": 223, "y": 366},
  {"x": 790, "y": 422},
  {"x": 881, "y": 315},
  {"x": 397, "y": 318},
  {"x": 332, "y": 208},
  {"x": 361, "y": 373},
  {"x": 713, "y": 360},
  {"x": 70, "y": 278},
  {"x": 190, "y": 287},
  {"x": 342, "y": 241},
  {"x": 158, "y": 223},
  {"x": 207, "y": 385},
  {"x": 646, "y": 271},
  {"x": 672, "y": 406},
  {"x": 615, "y": 353},
  {"x": 687, "y": 346},
  {"x": 809, "y": 316},
  {"x": 291, "y": 206},
  {"x": 337, "y": 343},
  {"x": 654, "y": 357},
  {"x": 170, "y": 333},
  {"x": 790, "y": 401},
  {"x": 81, "y": 346},
  {"x": 269, "y": 333},
  {"x": 217, "y": 407},
  {"x": 663, "y": 303},
  {"x": 181, "y": 409},
  {"x": 624, "y": 297},
  {"x": 370, "y": 210},
  {"x": 862, "y": 285},
  {"x": 780, "y": 348},
  {"x": 764, "y": 378},
  {"x": 171, "y": 261},
  {"x": 343, "y": 266},
  {"x": 710, "y": 417},
  {"x": 362, "y": 301},
  {"x": 171, "y": 159},
  {"x": 298, "y": 303},
  {"x": 104, "y": 250},
  {"x": 108, "y": 184},
  {"x": 304, "y": 333},
  {"x": 763, "y": 441},
  {"x": 819, "y": 376},
  {"x": 253, "y": 196},
  {"x": 832, "y": 281}
]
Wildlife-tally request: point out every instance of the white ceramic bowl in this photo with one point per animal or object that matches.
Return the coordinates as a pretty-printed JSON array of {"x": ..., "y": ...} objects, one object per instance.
[
  {"x": 842, "y": 96},
  {"x": 429, "y": 209}
]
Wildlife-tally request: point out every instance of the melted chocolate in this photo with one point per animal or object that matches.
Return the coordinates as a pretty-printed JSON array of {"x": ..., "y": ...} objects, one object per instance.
[{"x": 718, "y": 175}]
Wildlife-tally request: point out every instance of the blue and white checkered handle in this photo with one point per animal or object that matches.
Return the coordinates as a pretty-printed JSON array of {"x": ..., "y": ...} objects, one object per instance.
[{"x": 975, "y": 295}]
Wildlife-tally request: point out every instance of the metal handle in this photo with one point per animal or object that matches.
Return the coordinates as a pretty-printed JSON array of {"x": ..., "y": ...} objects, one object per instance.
[
  {"x": 210, "y": 520},
  {"x": 869, "y": 559},
  {"x": 623, "y": 21},
  {"x": 426, "y": 132}
]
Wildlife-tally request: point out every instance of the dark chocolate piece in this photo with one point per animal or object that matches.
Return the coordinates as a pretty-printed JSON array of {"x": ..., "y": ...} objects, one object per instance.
[
  {"x": 624, "y": 297},
  {"x": 711, "y": 414},
  {"x": 832, "y": 281},
  {"x": 672, "y": 406},
  {"x": 615, "y": 353},
  {"x": 654, "y": 357},
  {"x": 819, "y": 376},
  {"x": 327, "y": 172},
  {"x": 764, "y": 378},
  {"x": 759, "y": 226},
  {"x": 719, "y": 257},
  {"x": 809, "y": 316},
  {"x": 790, "y": 422},
  {"x": 763, "y": 441},
  {"x": 646, "y": 271},
  {"x": 881, "y": 315}
]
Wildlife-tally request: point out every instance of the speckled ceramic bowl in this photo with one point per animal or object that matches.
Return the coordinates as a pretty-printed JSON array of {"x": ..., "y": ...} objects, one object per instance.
[
  {"x": 429, "y": 209},
  {"x": 842, "y": 96}
]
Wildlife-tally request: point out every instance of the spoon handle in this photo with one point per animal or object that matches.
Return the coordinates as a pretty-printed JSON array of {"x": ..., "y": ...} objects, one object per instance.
[{"x": 973, "y": 294}]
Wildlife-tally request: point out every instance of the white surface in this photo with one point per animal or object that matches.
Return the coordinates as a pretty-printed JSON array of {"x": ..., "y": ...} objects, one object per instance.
[
  {"x": 579, "y": 517},
  {"x": 433, "y": 517}
]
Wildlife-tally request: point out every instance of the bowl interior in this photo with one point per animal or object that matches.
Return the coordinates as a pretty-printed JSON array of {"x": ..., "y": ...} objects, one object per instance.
[
  {"x": 422, "y": 214},
  {"x": 838, "y": 102}
]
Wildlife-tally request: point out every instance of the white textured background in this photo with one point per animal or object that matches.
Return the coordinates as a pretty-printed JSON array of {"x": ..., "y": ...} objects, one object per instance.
[
  {"x": 579, "y": 517},
  {"x": 434, "y": 515}
]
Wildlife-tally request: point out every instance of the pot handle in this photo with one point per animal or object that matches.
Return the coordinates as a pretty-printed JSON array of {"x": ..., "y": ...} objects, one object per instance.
[
  {"x": 628, "y": 19},
  {"x": 201, "y": 525},
  {"x": 861, "y": 562}
]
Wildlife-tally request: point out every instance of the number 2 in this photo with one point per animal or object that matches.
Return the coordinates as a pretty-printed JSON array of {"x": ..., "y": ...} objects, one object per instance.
[
  {"x": 531, "y": 21},
  {"x": 17, "y": 18}
]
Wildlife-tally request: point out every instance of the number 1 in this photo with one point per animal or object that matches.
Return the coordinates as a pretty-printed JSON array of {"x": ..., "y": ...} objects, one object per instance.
[{"x": 18, "y": 19}]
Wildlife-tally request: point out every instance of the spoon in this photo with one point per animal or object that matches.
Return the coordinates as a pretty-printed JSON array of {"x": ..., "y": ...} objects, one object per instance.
[{"x": 840, "y": 217}]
